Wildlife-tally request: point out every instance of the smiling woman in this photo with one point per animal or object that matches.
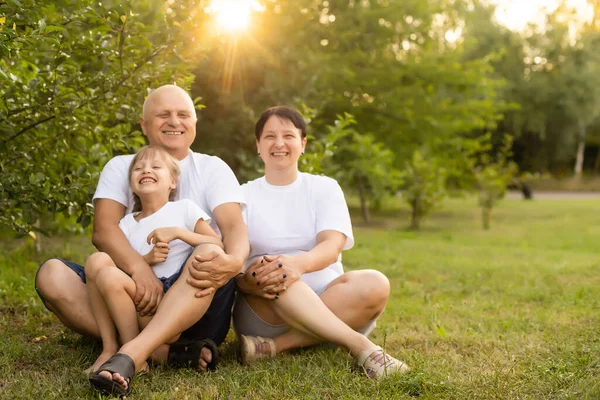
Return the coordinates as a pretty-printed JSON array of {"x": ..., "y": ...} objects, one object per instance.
[{"x": 233, "y": 15}]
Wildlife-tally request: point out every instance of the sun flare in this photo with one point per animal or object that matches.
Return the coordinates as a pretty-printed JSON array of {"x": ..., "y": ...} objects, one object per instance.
[
  {"x": 516, "y": 14},
  {"x": 233, "y": 15}
]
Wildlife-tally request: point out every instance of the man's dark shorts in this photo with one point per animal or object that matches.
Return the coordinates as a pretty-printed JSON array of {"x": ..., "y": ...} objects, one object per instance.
[{"x": 213, "y": 325}]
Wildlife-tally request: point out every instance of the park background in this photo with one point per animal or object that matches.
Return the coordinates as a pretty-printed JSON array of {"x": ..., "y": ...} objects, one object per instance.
[{"x": 425, "y": 111}]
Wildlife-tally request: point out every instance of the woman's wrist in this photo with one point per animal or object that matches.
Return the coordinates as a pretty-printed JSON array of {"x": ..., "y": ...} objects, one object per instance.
[{"x": 298, "y": 264}]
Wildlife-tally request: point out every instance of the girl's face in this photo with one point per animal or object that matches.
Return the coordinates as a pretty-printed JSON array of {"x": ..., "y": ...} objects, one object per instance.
[
  {"x": 151, "y": 175},
  {"x": 280, "y": 144}
]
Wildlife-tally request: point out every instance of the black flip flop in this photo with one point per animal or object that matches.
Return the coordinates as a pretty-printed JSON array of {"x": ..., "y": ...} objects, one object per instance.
[
  {"x": 119, "y": 363},
  {"x": 186, "y": 354}
]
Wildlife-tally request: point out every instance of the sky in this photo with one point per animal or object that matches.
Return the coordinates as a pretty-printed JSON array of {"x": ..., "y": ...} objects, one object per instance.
[{"x": 516, "y": 14}]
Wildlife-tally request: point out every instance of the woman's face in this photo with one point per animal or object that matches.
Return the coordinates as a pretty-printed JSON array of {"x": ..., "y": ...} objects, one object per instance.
[{"x": 280, "y": 143}]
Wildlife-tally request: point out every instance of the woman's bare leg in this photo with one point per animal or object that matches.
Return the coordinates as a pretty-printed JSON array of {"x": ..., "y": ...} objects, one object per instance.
[{"x": 355, "y": 298}]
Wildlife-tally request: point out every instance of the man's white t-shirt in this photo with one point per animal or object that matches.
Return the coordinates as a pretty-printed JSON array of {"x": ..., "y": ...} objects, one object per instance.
[
  {"x": 206, "y": 180},
  {"x": 287, "y": 219},
  {"x": 182, "y": 214}
]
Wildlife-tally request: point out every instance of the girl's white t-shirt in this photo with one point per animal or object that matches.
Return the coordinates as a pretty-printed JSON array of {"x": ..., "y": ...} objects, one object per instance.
[
  {"x": 183, "y": 214},
  {"x": 287, "y": 219}
]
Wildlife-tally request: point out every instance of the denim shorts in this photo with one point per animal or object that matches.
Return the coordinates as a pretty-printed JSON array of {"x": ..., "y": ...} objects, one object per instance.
[{"x": 79, "y": 270}]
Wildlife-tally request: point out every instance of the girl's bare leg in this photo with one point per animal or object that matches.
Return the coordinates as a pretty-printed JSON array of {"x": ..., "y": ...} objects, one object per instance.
[
  {"x": 178, "y": 310},
  {"x": 108, "y": 332}
]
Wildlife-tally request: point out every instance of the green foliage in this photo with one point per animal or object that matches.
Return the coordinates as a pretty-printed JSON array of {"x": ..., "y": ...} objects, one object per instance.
[
  {"x": 386, "y": 63},
  {"x": 424, "y": 185},
  {"x": 552, "y": 76},
  {"x": 318, "y": 158},
  {"x": 73, "y": 76}
]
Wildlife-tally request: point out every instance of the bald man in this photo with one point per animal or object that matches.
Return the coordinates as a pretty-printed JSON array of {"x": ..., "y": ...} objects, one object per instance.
[{"x": 198, "y": 306}]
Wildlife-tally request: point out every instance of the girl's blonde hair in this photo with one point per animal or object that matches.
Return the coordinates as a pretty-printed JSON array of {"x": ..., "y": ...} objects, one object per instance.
[{"x": 151, "y": 151}]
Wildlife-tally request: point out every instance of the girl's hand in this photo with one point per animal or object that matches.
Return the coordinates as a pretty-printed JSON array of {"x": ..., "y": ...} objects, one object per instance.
[
  {"x": 164, "y": 235},
  {"x": 158, "y": 254},
  {"x": 277, "y": 273}
]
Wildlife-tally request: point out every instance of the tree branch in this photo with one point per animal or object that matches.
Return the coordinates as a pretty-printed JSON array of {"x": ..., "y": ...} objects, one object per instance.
[{"x": 28, "y": 127}]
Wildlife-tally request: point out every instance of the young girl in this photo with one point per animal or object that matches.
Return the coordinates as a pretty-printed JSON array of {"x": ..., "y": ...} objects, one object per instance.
[{"x": 163, "y": 231}]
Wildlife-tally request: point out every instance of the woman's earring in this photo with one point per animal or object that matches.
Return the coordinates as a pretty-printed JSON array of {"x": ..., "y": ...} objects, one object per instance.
[{"x": 259, "y": 153}]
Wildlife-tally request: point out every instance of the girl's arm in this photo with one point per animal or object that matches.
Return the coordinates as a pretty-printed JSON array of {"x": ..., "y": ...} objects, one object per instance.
[{"x": 203, "y": 233}]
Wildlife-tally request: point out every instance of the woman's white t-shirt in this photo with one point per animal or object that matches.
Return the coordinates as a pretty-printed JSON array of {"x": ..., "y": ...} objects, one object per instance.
[
  {"x": 287, "y": 219},
  {"x": 182, "y": 214}
]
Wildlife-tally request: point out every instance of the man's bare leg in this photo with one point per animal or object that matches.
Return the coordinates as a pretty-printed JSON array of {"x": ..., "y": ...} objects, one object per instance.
[
  {"x": 178, "y": 310},
  {"x": 67, "y": 297}
]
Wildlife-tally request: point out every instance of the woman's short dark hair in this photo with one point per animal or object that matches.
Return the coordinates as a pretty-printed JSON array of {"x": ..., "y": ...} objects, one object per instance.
[{"x": 282, "y": 112}]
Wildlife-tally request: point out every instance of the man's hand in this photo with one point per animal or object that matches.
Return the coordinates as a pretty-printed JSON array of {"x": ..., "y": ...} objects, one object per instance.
[
  {"x": 158, "y": 254},
  {"x": 148, "y": 291},
  {"x": 164, "y": 235},
  {"x": 212, "y": 271}
]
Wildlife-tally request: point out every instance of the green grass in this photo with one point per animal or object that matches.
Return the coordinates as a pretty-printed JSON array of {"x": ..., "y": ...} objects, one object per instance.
[{"x": 510, "y": 313}]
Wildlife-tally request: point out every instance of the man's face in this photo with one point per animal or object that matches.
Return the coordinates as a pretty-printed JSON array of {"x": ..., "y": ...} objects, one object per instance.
[{"x": 170, "y": 121}]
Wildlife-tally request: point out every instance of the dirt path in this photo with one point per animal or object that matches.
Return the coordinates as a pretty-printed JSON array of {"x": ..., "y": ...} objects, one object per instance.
[{"x": 555, "y": 195}]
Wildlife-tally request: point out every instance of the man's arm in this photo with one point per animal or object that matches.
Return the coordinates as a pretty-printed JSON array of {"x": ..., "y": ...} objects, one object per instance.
[
  {"x": 234, "y": 234},
  {"x": 211, "y": 272},
  {"x": 109, "y": 238}
]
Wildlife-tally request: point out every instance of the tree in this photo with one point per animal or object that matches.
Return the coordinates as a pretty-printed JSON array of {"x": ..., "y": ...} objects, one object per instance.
[
  {"x": 388, "y": 64},
  {"x": 493, "y": 176},
  {"x": 551, "y": 75},
  {"x": 424, "y": 185},
  {"x": 73, "y": 77}
]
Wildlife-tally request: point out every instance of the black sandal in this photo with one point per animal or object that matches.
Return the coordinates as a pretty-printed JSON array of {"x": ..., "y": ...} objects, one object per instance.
[
  {"x": 186, "y": 354},
  {"x": 119, "y": 363}
]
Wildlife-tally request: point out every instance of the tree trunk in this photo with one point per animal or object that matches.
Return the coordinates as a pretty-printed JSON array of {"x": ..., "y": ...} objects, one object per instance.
[
  {"x": 415, "y": 217},
  {"x": 364, "y": 207},
  {"x": 486, "y": 217},
  {"x": 579, "y": 159},
  {"x": 580, "y": 150}
]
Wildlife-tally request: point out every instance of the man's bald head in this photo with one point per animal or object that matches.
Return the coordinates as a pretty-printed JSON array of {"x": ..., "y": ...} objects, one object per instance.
[{"x": 166, "y": 91}]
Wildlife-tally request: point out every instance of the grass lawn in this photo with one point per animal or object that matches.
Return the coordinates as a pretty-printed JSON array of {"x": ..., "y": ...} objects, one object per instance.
[{"x": 510, "y": 313}]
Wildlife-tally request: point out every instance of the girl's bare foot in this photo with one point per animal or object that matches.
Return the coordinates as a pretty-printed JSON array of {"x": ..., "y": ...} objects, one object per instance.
[
  {"x": 102, "y": 358},
  {"x": 116, "y": 377}
]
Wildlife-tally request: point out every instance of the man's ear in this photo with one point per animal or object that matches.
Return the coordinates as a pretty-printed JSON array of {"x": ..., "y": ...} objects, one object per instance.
[{"x": 142, "y": 124}]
